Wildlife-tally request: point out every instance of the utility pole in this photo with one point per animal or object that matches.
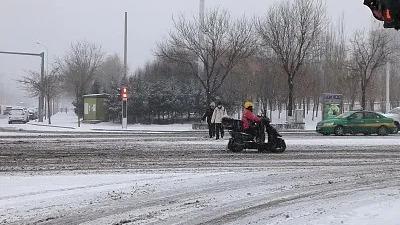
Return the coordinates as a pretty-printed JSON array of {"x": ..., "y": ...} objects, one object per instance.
[
  {"x": 41, "y": 96},
  {"x": 200, "y": 65},
  {"x": 46, "y": 73},
  {"x": 41, "y": 100},
  {"x": 387, "y": 87},
  {"x": 126, "y": 47},
  {"x": 201, "y": 10},
  {"x": 124, "y": 93}
]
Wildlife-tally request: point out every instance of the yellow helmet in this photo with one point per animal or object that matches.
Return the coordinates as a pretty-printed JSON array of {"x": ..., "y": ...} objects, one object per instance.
[{"x": 248, "y": 104}]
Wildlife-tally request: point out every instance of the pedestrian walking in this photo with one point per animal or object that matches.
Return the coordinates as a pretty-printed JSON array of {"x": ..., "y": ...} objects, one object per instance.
[
  {"x": 208, "y": 115},
  {"x": 219, "y": 113}
]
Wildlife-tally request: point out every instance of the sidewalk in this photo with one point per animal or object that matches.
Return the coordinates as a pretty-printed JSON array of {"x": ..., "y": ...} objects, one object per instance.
[{"x": 67, "y": 122}]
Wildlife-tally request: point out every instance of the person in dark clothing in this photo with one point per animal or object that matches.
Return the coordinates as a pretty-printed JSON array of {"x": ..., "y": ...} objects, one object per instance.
[{"x": 208, "y": 116}]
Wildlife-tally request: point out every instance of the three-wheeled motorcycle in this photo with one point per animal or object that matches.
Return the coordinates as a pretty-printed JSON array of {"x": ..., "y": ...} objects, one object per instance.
[{"x": 240, "y": 140}]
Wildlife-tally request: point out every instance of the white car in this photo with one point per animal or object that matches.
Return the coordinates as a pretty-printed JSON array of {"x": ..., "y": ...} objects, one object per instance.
[
  {"x": 18, "y": 115},
  {"x": 395, "y": 115}
]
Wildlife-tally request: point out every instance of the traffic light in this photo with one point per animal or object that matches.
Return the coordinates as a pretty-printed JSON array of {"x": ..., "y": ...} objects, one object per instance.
[
  {"x": 124, "y": 93},
  {"x": 386, "y": 11},
  {"x": 119, "y": 93}
]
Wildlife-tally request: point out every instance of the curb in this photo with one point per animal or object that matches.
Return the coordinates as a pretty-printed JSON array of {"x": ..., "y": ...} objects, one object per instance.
[
  {"x": 49, "y": 125},
  {"x": 150, "y": 131},
  {"x": 10, "y": 129}
]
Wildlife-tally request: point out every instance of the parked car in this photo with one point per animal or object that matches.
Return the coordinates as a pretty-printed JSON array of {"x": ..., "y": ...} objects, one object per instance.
[
  {"x": 7, "y": 110},
  {"x": 32, "y": 114},
  {"x": 18, "y": 115},
  {"x": 358, "y": 122},
  {"x": 395, "y": 115}
]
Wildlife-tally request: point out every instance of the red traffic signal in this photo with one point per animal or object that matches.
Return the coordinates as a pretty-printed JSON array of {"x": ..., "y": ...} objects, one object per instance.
[
  {"x": 387, "y": 11},
  {"x": 124, "y": 93},
  {"x": 387, "y": 15}
]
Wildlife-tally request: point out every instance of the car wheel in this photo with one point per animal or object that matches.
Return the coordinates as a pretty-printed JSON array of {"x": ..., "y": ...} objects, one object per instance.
[
  {"x": 339, "y": 131},
  {"x": 382, "y": 131},
  {"x": 397, "y": 129}
]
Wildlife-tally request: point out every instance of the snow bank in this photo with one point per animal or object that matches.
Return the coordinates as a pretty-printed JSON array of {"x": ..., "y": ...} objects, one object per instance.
[{"x": 68, "y": 122}]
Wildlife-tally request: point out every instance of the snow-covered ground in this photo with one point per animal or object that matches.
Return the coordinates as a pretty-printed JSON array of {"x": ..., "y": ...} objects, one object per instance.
[
  {"x": 166, "y": 197},
  {"x": 68, "y": 122},
  {"x": 158, "y": 177}
]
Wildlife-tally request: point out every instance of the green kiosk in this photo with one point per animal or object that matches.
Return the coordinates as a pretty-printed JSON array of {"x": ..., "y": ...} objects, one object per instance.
[
  {"x": 332, "y": 105},
  {"x": 94, "y": 108}
]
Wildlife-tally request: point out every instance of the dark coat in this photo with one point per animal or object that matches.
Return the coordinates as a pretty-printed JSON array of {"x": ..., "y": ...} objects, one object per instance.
[{"x": 208, "y": 115}]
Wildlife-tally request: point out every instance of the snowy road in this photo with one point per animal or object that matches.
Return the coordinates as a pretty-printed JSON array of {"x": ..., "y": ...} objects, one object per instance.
[{"x": 184, "y": 178}]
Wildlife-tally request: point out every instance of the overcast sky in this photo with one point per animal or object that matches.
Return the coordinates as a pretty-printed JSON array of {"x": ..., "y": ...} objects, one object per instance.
[{"x": 58, "y": 23}]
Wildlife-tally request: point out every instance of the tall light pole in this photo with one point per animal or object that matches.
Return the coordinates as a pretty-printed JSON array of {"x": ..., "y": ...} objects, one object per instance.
[
  {"x": 41, "y": 95},
  {"x": 46, "y": 107},
  {"x": 387, "y": 87},
  {"x": 124, "y": 89},
  {"x": 47, "y": 55},
  {"x": 126, "y": 47},
  {"x": 200, "y": 64},
  {"x": 201, "y": 10}
]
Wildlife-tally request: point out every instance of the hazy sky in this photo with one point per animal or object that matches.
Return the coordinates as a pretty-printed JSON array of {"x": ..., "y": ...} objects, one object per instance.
[{"x": 57, "y": 23}]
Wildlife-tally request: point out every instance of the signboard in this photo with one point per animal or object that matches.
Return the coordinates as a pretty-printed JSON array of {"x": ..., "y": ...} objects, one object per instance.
[{"x": 332, "y": 105}]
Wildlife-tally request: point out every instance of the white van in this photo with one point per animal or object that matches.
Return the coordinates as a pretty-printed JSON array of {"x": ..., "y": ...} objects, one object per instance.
[{"x": 18, "y": 115}]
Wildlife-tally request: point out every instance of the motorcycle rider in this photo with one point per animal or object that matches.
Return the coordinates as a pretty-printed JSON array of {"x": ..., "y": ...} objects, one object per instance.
[{"x": 249, "y": 118}]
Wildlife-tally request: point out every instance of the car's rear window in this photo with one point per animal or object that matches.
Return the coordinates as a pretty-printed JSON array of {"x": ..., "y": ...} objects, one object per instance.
[{"x": 17, "y": 112}]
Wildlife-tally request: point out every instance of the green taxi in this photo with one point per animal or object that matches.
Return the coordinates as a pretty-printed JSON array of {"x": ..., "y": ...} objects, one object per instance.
[{"x": 358, "y": 122}]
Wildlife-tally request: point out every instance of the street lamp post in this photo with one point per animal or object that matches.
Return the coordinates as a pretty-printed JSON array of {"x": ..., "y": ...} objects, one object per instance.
[
  {"x": 46, "y": 74},
  {"x": 387, "y": 87},
  {"x": 47, "y": 56},
  {"x": 200, "y": 64},
  {"x": 41, "y": 102}
]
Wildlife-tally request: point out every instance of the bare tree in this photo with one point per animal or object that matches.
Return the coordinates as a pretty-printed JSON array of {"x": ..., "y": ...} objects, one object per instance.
[
  {"x": 290, "y": 29},
  {"x": 50, "y": 86},
  {"x": 52, "y": 89},
  {"x": 218, "y": 42},
  {"x": 78, "y": 69},
  {"x": 369, "y": 53},
  {"x": 32, "y": 84}
]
